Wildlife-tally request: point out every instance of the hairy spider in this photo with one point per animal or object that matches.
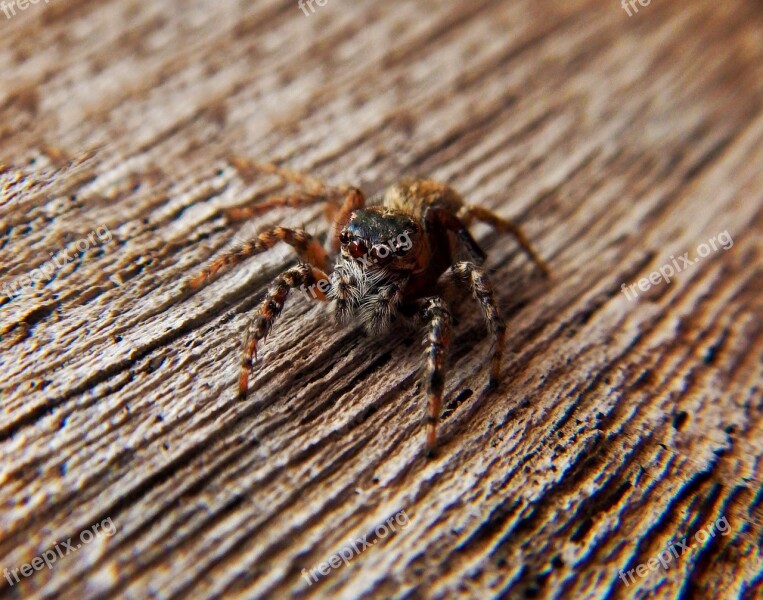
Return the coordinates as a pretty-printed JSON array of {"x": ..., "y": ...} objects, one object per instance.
[{"x": 391, "y": 254}]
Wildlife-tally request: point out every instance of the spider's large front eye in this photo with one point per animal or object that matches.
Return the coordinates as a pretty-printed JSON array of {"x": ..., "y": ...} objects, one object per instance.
[
  {"x": 357, "y": 248},
  {"x": 344, "y": 237}
]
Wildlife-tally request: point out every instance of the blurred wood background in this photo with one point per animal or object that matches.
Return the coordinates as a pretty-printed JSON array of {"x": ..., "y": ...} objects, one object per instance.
[{"x": 617, "y": 142}]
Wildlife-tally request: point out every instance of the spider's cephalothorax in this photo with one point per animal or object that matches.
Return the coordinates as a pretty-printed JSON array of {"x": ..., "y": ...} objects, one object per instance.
[{"x": 392, "y": 257}]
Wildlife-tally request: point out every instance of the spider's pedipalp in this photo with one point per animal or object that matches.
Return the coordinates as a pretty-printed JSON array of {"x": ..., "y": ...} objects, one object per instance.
[
  {"x": 478, "y": 282},
  {"x": 435, "y": 316},
  {"x": 307, "y": 247},
  {"x": 378, "y": 312},
  {"x": 468, "y": 213},
  {"x": 372, "y": 295},
  {"x": 302, "y": 275}
]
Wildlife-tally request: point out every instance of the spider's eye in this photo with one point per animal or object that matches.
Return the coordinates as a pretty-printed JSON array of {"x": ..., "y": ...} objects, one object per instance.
[
  {"x": 357, "y": 248},
  {"x": 344, "y": 236}
]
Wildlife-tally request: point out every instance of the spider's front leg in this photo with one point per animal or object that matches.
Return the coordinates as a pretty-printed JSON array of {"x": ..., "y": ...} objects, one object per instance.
[
  {"x": 340, "y": 201},
  {"x": 296, "y": 277},
  {"x": 477, "y": 281},
  {"x": 306, "y": 246},
  {"x": 435, "y": 316}
]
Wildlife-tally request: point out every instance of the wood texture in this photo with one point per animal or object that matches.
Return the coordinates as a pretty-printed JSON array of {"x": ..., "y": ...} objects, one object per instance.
[{"x": 616, "y": 142}]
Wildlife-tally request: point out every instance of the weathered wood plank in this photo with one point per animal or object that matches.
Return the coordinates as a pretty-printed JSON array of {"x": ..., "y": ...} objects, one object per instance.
[{"x": 617, "y": 142}]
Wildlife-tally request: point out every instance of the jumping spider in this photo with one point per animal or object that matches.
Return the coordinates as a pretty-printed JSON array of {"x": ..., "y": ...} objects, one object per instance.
[{"x": 376, "y": 278}]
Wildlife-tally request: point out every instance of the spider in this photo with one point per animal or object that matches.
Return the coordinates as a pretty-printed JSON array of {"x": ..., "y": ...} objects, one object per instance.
[{"x": 392, "y": 254}]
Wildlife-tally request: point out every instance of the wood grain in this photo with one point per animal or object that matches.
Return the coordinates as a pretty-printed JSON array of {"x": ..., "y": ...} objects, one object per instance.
[{"x": 616, "y": 142}]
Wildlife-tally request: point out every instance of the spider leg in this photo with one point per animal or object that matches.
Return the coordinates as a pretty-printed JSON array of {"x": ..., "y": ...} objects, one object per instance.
[
  {"x": 445, "y": 218},
  {"x": 248, "y": 169},
  {"x": 300, "y": 276},
  {"x": 477, "y": 281},
  {"x": 314, "y": 191},
  {"x": 294, "y": 200},
  {"x": 435, "y": 316},
  {"x": 307, "y": 247},
  {"x": 469, "y": 213}
]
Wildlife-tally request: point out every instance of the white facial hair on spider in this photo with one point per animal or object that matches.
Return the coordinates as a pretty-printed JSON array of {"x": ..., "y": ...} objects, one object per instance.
[{"x": 372, "y": 294}]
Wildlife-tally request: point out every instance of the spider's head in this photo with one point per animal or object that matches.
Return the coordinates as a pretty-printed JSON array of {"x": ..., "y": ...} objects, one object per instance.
[
  {"x": 381, "y": 240},
  {"x": 379, "y": 252}
]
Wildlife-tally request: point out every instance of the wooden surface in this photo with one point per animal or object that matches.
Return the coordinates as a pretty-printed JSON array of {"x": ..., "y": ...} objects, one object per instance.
[{"x": 615, "y": 141}]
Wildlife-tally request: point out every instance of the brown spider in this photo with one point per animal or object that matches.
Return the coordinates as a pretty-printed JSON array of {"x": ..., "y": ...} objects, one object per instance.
[{"x": 390, "y": 255}]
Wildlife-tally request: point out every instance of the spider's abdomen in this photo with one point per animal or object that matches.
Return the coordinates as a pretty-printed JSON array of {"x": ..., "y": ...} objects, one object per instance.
[{"x": 415, "y": 196}]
